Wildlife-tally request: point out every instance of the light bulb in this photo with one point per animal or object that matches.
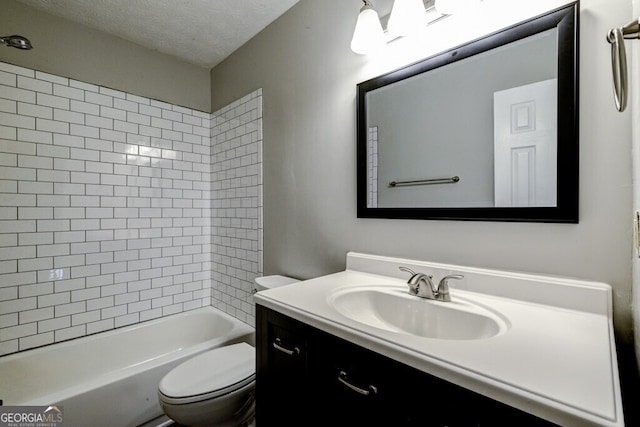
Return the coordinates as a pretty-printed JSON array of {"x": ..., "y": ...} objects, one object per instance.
[
  {"x": 368, "y": 37},
  {"x": 407, "y": 17}
]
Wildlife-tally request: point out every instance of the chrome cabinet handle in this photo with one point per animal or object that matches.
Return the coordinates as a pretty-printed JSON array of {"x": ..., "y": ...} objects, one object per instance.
[
  {"x": 278, "y": 346},
  {"x": 342, "y": 377}
]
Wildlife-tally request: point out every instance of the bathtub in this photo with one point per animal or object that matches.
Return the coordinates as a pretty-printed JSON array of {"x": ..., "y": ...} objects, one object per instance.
[{"x": 111, "y": 378}]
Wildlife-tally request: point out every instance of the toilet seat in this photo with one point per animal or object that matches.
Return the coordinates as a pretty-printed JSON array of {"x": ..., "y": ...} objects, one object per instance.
[{"x": 212, "y": 374}]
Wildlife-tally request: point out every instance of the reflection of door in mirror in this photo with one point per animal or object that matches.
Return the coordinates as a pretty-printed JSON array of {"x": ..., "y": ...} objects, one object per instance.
[{"x": 525, "y": 145}]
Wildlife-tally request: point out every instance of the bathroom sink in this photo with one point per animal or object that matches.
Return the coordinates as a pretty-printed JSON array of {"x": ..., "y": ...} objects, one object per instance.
[{"x": 392, "y": 308}]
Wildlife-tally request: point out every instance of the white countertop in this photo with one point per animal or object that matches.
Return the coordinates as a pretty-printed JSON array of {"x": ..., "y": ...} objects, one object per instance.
[{"x": 557, "y": 359}]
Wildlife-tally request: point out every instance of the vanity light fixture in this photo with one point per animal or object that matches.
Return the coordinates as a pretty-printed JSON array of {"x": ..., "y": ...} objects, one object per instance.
[
  {"x": 368, "y": 35},
  {"x": 407, "y": 17}
]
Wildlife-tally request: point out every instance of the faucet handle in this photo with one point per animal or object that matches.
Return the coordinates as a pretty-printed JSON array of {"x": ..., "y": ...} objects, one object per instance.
[
  {"x": 443, "y": 287},
  {"x": 408, "y": 270},
  {"x": 412, "y": 282}
]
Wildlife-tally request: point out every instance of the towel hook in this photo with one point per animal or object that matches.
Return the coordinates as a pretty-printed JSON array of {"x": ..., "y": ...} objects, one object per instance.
[{"x": 616, "y": 37}]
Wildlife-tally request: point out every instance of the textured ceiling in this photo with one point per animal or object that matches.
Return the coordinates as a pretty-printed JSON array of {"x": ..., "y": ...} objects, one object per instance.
[{"x": 202, "y": 32}]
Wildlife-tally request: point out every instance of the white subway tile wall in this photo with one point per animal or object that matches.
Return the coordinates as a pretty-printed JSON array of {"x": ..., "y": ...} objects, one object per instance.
[
  {"x": 236, "y": 204},
  {"x": 106, "y": 210}
]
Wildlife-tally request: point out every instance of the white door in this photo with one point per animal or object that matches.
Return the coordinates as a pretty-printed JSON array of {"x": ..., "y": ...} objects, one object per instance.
[{"x": 525, "y": 145}]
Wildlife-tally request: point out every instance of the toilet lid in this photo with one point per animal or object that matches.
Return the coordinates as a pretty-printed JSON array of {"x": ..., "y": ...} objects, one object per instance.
[{"x": 218, "y": 371}]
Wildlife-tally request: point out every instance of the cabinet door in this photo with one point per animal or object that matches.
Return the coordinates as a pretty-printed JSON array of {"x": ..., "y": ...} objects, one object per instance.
[
  {"x": 358, "y": 387},
  {"x": 354, "y": 391},
  {"x": 361, "y": 387},
  {"x": 281, "y": 374}
]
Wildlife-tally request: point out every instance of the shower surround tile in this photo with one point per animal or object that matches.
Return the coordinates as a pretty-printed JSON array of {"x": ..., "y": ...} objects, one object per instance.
[
  {"x": 236, "y": 205},
  {"x": 112, "y": 204}
]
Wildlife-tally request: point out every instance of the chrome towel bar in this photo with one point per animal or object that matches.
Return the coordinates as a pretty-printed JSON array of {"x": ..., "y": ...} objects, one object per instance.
[
  {"x": 451, "y": 180},
  {"x": 616, "y": 37}
]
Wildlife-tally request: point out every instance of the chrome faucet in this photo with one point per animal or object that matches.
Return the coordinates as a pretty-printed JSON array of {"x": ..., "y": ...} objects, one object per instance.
[{"x": 422, "y": 285}]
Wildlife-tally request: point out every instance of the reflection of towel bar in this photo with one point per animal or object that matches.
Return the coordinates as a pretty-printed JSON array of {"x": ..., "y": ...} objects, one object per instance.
[{"x": 451, "y": 180}]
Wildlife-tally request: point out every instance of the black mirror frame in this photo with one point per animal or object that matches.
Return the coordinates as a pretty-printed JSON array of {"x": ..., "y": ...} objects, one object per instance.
[{"x": 565, "y": 19}]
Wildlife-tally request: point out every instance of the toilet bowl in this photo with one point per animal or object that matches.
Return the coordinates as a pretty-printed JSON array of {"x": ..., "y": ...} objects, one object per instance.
[{"x": 215, "y": 388}]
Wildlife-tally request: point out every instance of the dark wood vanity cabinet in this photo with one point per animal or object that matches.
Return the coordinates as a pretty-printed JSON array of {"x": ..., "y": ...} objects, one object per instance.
[{"x": 307, "y": 377}]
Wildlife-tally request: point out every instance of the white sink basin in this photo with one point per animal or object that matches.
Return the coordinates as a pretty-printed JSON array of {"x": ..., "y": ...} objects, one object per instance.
[{"x": 394, "y": 309}]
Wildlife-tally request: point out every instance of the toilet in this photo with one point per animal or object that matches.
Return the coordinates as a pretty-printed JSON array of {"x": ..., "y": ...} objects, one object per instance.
[{"x": 216, "y": 388}]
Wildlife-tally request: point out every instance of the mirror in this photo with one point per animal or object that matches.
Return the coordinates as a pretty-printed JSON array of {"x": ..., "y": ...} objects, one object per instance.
[{"x": 486, "y": 131}]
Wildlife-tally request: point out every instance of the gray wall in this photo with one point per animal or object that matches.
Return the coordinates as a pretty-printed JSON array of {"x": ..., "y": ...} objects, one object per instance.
[
  {"x": 67, "y": 49},
  {"x": 308, "y": 76}
]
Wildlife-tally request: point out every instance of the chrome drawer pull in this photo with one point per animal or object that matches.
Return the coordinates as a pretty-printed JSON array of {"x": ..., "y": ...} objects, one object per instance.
[
  {"x": 342, "y": 377},
  {"x": 278, "y": 346}
]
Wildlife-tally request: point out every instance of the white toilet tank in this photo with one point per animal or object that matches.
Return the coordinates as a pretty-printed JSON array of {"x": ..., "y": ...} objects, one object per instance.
[{"x": 269, "y": 282}]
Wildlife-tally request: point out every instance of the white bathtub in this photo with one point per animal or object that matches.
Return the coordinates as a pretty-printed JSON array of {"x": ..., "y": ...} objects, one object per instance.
[{"x": 111, "y": 378}]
